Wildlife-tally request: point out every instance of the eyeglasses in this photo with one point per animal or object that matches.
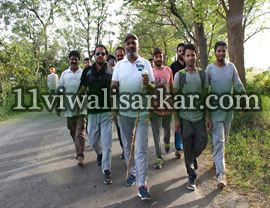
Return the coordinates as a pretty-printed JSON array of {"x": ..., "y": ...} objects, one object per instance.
[{"x": 100, "y": 53}]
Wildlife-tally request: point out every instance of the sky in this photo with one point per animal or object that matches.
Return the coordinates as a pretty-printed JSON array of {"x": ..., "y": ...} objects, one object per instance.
[{"x": 257, "y": 51}]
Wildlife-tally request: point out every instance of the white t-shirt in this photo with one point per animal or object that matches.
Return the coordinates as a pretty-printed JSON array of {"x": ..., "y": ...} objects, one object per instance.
[
  {"x": 71, "y": 81},
  {"x": 130, "y": 78},
  {"x": 53, "y": 81}
]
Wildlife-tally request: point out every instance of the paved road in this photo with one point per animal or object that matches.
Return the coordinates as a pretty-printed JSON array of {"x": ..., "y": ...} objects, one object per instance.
[{"x": 37, "y": 169}]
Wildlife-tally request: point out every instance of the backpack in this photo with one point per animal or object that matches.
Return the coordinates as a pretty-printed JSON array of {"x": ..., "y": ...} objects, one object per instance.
[
  {"x": 182, "y": 82},
  {"x": 182, "y": 78}
]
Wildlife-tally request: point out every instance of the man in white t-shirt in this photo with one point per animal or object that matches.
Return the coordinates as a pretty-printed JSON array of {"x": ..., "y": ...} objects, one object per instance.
[
  {"x": 70, "y": 79},
  {"x": 134, "y": 74},
  {"x": 52, "y": 81}
]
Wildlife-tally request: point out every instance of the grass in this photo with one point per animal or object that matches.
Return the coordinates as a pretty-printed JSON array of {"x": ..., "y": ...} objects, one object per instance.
[{"x": 248, "y": 150}]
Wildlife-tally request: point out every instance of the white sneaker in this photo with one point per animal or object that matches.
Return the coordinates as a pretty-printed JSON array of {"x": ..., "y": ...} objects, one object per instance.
[{"x": 221, "y": 181}]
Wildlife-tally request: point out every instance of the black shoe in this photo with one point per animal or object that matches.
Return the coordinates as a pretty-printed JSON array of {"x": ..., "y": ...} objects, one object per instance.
[
  {"x": 131, "y": 180},
  {"x": 107, "y": 177},
  {"x": 191, "y": 183},
  {"x": 143, "y": 193},
  {"x": 195, "y": 164},
  {"x": 99, "y": 159},
  {"x": 122, "y": 156}
]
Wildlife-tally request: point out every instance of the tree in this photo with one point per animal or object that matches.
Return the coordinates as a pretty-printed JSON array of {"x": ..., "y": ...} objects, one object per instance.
[
  {"x": 31, "y": 20},
  {"x": 93, "y": 19},
  {"x": 189, "y": 18},
  {"x": 239, "y": 15}
]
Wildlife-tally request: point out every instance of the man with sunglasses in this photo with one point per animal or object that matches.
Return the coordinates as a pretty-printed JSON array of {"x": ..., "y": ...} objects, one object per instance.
[{"x": 97, "y": 80}]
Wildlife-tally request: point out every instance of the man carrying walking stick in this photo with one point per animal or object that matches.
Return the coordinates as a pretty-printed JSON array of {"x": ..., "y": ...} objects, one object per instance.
[{"x": 134, "y": 74}]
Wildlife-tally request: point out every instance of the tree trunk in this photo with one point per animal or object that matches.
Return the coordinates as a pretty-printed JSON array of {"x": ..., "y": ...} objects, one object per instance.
[
  {"x": 165, "y": 54},
  {"x": 88, "y": 44},
  {"x": 235, "y": 32},
  {"x": 202, "y": 45}
]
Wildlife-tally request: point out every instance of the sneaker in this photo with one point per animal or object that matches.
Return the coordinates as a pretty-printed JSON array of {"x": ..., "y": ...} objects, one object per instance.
[
  {"x": 99, "y": 159},
  {"x": 131, "y": 180},
  {"x": 80, "y": 160},
  {"x": 191, "y": 184},
  {"x": 107, "y": 177},
  {"x": 159, "y": 163},
  {"x": 122, "y": 156},
  {"x": 178, "y": 153},
  {"x": 195, "y": 164},
  {"x": 167, "y": 147},
  {"x": 221, "y": 181},
  {"x": 143, "y": 193}
]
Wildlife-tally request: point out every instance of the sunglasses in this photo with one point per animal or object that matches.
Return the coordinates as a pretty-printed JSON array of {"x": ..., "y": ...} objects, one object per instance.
[{"x": 100, "y": 53}]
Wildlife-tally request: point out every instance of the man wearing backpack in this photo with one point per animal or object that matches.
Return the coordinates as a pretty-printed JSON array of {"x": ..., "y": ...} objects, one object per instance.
[{"x": 191, "y": 123}]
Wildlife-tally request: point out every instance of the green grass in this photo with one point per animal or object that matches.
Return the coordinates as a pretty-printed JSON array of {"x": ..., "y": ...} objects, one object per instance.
[{"x": 248, "y": 150}]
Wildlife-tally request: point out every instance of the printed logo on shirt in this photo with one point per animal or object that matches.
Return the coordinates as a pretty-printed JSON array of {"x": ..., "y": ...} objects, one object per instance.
[{"x": 140, "y": 67}]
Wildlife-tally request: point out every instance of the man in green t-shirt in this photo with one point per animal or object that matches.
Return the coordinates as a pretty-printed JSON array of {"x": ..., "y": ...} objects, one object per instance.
[{"x": 191, "y": 122}]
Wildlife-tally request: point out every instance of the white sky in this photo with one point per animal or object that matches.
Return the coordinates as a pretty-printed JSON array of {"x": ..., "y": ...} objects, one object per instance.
[{"x": 257, "y": 51}]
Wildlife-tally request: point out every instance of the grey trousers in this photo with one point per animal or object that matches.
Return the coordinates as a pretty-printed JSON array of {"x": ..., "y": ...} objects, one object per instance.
[
  {"x": 220, "y": 135},
  {"x": 157, "y": 121},
  {"x": 141, "y": 145},
  {"x": 100, "y": 136}
]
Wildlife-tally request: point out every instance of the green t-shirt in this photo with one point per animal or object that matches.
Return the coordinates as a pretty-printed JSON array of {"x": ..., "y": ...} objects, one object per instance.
[{"x": 192, "y": 86}]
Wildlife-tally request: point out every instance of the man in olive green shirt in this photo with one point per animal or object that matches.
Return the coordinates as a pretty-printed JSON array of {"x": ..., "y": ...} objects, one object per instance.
[{"x": 191, "y": 123}]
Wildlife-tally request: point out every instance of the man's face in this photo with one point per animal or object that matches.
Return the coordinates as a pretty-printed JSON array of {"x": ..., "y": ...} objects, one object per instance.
[
  {"x": 180, "y": 53},
  {"x": 87, "y": 63},
  {"x": 52, "y": 70},
  {"x": 131, "y": 47},
  {"x": 119, "y": 54},
  {"x": 221, "y": 53},
  {"x": 158, "y": 59},
  {"x": 100, "y": 56},
  {"x": 111, "y": 63},
  {"x": 74, "y": 62},
  {"x": 152, "y": 63},
  {"x": 190, "y": 58}
]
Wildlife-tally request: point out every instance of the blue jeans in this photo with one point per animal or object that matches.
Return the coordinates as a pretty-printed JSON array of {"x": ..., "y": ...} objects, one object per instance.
[{"x": 178, "y": 140}]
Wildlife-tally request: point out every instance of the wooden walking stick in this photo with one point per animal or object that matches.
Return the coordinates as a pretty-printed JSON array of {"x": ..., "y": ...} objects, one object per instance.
[{"x": 134, "y": 131}]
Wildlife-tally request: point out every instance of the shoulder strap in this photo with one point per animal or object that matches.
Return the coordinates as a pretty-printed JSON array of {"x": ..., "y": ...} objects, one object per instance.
[
  {"x": 182, "y": 78},
  {"x": 202, "y": 77}
]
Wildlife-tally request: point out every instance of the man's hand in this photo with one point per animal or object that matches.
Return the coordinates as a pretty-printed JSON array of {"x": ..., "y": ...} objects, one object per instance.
[
  {"x": 208, "y": 124},
  {"x": 114, "y": 116},
  {"x": 145, "y": 79},
  {"x": 58, "y": 112},
  {"x": 177, "y": 125}
]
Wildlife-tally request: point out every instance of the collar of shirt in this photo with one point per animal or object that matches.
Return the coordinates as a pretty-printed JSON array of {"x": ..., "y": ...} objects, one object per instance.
[
  {"x": 69, "y": 70},
  {"x": 139, "y": 59}
]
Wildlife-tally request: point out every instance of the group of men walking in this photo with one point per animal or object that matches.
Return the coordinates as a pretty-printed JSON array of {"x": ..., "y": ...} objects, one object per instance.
[{"x": 134, "y": 74}]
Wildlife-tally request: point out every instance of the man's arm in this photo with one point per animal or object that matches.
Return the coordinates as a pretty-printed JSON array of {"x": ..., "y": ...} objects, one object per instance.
[
  {"x": 238, "y": 85},
  {"x": 176, "y": 112},
  {"x": 114, "y": 91}
]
